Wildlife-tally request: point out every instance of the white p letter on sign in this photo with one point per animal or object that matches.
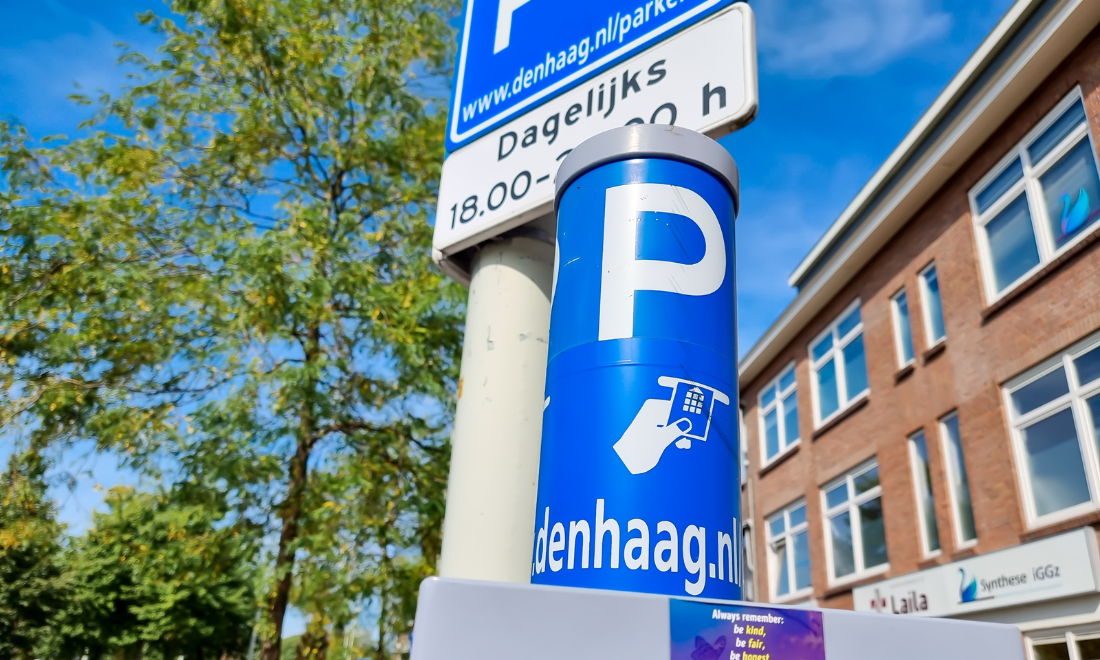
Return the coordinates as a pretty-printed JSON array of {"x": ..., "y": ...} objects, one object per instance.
[
  {"x": 623, "y": 273},
  {"x": 504, "y": 23}
]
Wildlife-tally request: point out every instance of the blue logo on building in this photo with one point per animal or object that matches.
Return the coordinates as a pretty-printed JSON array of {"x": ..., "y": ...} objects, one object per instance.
[{"x": 968, "y": 590}]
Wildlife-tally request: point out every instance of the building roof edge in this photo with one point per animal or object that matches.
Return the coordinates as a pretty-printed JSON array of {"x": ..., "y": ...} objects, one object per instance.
[
  {"x": 837, "y": 256},
  {"x": 986, "y": 52}
]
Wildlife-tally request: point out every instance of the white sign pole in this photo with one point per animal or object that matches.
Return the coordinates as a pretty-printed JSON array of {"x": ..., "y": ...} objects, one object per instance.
[{"x": 489, "y": 528}]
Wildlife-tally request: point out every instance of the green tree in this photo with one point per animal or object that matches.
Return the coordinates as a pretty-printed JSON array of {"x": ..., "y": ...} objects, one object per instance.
[
  {"x": 157, "y": 576},
  {"x": 229, "y": 277},
  {"x": 32, "y": 586},
  {"x": 373, "y": 530}
]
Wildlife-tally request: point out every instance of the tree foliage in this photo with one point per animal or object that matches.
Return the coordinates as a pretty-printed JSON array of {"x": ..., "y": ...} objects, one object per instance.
[
  {"x": 32, "y": 586},
  {"x": 227, "y": 279},
  {"x": 153, "y": 577}
]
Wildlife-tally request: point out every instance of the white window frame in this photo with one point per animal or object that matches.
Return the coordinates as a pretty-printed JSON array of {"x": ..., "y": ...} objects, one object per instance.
[
  {"x": 788, "y": 534},
  {"x": 917, "y": 478},
  {"x": 1029, "y": 182},
  {"x": 1075, "y": 401},
  {"x": 926, "y": 309},
  {"x": 952, "y": 496},
  {"x": 852, "y": 507},
  {"x": 781, "y": 421},
  {"x": 836, "y": 353},
  {"x": 748, "y": 562},
  {"x": 1069, "y": 637},
  {"x": 902, "y": 362},
  {"x": 743, "y": 442}
]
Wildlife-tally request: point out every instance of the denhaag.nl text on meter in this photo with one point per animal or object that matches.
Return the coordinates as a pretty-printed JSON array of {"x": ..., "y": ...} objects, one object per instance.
[
  {"x": 696, "y": 80},
  {"x": 636, "y": 545}
]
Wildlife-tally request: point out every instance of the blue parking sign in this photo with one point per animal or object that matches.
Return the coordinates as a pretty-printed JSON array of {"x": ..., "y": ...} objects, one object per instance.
[{"x": 517, "y": 54}]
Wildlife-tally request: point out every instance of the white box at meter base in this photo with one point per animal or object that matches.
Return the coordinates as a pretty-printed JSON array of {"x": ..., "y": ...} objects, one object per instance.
[
  {"x": 703, "y": 79},
  {"x": 469, "y": 620}
]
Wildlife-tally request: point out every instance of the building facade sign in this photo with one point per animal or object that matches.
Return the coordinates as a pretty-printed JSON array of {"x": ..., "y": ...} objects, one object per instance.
[{"x": 1055, "y": 567}]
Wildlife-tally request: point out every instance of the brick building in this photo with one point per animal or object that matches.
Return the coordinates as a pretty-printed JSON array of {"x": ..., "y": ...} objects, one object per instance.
[{"x": 922, "y": 422}]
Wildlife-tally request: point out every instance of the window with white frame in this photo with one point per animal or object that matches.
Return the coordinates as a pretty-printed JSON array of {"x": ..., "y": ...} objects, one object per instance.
[
  {"x": 1039, "y": 199},
  {"x": 934, "y": 331},
  {"x": 779, "y": 415},
  {"x": 958, "y": 484},
  {"x": 855, "y": 534},
  {"x": 748, "y": 564},
  {"x": 744, "y": 442},
  {"x": 789, "y": 552},
  {"x": 1074, "y": 644},
  {"x": 926, "y": 503},
  {"x": 839, "y": 366},
  {"x": 1054, "y": 410},
  {"x": 903, "y": 328}
]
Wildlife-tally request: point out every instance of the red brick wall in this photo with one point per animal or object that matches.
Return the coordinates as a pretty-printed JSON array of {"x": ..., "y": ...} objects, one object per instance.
[{"x": 982, "y": 352}]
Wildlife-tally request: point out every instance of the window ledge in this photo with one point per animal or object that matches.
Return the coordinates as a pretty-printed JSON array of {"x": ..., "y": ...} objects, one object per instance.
[
  {"x": 903, "y": 373},
  {"x": 843, "y": 588},
  {"x": 843, "y": 415},
  {"x": 1091, "y": 518},
  {"x": 1041, "y": 274},
  {"x": 963, "y": 546},
  {"x": 934, "y": 352},
  {"x": 929, "y": 562},
  {"x": 968, "y": 551},
  {"x": 779, "y": 458},
  {"x": 795, "y": 597}
]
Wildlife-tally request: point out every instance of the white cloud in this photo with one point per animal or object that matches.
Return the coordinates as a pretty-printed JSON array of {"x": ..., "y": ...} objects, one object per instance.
[
  {"x": 39, "y": 75},
  {"x": 825, "y": 38},
  {"x": 778, "y": 226}
]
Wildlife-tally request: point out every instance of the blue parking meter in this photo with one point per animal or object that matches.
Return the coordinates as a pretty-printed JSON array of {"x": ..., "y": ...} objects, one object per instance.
[{"x": 639, "y": 471}]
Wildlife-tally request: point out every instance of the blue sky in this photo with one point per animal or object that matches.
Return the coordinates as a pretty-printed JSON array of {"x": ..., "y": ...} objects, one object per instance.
[{"x": 841, "y": 82}]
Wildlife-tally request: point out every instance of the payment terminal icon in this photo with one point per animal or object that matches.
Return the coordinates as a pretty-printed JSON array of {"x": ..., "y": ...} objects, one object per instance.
[{"x": 683, "y": 417}]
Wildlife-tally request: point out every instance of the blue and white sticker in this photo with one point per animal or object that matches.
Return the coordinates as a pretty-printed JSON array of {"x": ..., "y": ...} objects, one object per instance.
[{"x": 638, "y": 479}]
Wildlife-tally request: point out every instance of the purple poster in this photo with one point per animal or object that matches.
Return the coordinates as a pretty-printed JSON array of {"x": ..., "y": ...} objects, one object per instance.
[{"x": 707, "y": 631}]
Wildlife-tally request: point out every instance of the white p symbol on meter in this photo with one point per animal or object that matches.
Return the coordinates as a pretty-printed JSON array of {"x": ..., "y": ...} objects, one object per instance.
[{"x": 623, "y": 273}]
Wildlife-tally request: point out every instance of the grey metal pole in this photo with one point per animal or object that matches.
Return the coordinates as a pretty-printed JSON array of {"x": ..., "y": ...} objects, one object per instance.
[
  {"x": 489, "y": 526},
  {"x": 252, "y": 641}
]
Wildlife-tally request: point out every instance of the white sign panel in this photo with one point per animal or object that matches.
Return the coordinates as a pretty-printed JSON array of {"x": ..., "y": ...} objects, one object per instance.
[
  {"x": 703, "y": 79},
  {"x": 1055, "y": 567}
]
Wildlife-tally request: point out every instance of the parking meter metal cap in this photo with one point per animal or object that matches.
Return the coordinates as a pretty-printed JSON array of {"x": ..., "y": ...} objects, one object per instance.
[{"x": 650, "y": 141}]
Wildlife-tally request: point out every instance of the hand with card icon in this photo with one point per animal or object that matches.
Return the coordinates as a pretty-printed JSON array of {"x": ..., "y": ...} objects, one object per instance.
[
  {"x": 661, "y": 422},
  {"x": 648, "y": 436}
]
